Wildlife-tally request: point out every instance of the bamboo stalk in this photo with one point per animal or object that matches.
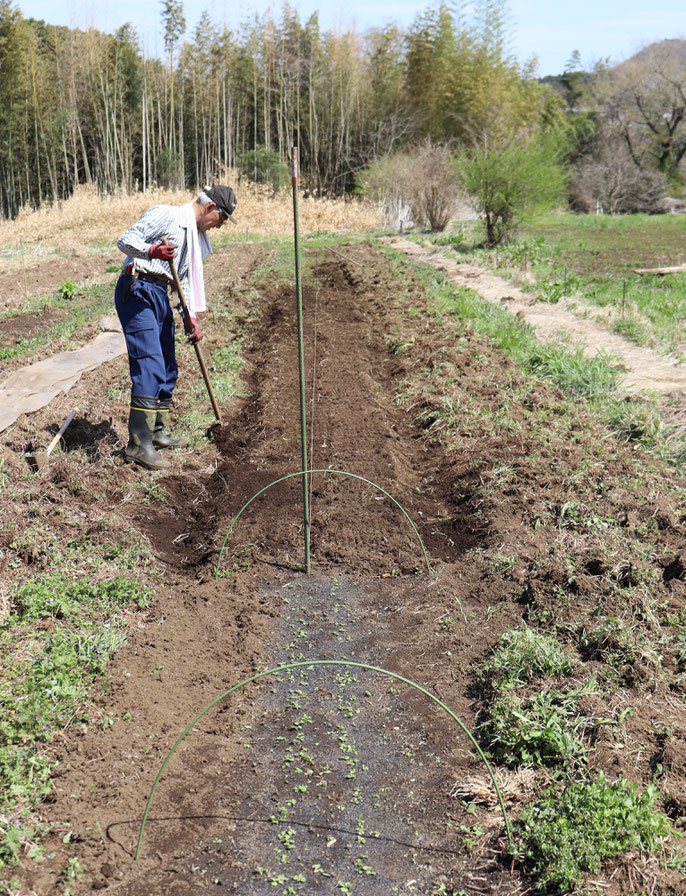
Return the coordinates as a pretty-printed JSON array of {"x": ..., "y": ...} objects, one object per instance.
[{"x": 301, "y": 354}]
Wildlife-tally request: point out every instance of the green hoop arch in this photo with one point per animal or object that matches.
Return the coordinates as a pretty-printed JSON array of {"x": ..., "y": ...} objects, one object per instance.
[
  {"x": 310, "y": 664},
  {"x": 337, "y": 473}
]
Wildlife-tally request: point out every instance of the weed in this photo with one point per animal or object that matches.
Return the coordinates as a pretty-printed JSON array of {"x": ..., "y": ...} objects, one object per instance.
[
  {"x": 67, "y": 289},
  {"x": 545, "y": 729},
  {"x": 45, "y": 678},
  {"x": 521, "y": 655},
  {"x": 53, "y": 596},
  {"x": 70, "y": 876},
  {"x": 563, "y": 835},
  {"x": 680, "y": 652},
  {"x": 637, "y": 421},
  {"x": 554, "y": 288},
  {"x": 631, "y": 328},
  {"x": 574, "y": 372},
  {"x": 612, "y": 642}
]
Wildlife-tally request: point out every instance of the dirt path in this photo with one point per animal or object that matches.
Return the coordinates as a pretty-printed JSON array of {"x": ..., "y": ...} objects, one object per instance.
[{"x": 642, "y": 368}]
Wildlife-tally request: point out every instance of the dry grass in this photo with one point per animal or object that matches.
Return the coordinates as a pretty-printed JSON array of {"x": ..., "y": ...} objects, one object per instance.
[
  {"x": 87, "y": 217},
  {"x": 514, "y": 786}
]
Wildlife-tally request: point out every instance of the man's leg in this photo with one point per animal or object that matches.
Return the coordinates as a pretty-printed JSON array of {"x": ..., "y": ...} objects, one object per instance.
[
  {"x": 160, "y": 438},
  {"x": 139, "y": 312}
]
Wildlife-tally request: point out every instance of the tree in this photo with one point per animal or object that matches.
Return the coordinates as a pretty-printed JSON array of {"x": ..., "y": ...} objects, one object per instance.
[
  {"x": 433, "y": 67},
  {"x": 611, "y": 182},
  {"x": 264, "y": 166},
  {"x": 509, "y": 181},
  {"x": 174, "y": 25},
  {"x": 644, "y": 101},
  {"x": 386, "y": 109}
]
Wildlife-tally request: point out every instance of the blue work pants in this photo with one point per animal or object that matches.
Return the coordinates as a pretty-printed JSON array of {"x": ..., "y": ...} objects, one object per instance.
[{"x": 148, "y": 323}]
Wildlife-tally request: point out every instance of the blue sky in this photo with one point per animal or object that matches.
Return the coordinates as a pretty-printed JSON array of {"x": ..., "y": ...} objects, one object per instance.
[{"x": 549, "y": 29}]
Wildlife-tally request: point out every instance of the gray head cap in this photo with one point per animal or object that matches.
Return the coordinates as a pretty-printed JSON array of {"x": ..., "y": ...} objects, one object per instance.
[{"x": 224, "y": 198}]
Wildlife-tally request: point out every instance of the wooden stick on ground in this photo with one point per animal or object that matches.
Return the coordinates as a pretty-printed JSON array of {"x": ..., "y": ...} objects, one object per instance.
[{"x": 677, "y": 269}]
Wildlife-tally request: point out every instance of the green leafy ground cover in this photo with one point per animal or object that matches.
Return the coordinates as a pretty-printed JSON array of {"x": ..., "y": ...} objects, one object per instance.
[{"x": 64, "y": 625}]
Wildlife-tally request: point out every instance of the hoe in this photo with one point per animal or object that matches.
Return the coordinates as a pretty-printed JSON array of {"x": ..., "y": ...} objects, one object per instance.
[{"x": 40, "y": 459}]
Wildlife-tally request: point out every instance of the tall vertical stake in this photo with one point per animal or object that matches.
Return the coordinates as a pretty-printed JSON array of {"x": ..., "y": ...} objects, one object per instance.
[
  {"x": 301, "y": 353},
  {"x": 23, "y": 265}
]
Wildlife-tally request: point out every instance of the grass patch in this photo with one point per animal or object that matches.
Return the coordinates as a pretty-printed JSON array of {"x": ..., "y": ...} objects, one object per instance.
[
  {"x": 589, "y": 380},
  {"x": 593, "y": 259},
  {"x": 522, "y": 655},
  {"x": 226, "y": 371},
  {"x": 565, "y": 834},
  {"x": 44, "y": 683}
]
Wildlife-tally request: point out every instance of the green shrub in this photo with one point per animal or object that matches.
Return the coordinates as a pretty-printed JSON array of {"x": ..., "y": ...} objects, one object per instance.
[
  {"x": 511, "y": 181},
  {"x": 563, "y": 835}
]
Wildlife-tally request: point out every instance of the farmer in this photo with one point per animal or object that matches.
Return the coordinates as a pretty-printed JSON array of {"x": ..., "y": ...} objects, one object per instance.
[{"x": 141, "y": 299}]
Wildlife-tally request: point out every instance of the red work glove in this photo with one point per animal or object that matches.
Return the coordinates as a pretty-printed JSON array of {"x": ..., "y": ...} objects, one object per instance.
[
  {"x": 164, "y": 253},
  {"x": 191, "y": 329}
]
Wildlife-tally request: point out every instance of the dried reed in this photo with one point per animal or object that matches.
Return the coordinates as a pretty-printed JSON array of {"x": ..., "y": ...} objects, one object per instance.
[{"x": 87, "y": 217}]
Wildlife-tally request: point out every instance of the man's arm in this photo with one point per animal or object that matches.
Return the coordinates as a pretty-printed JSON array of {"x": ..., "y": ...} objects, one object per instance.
[
  {"x": 152, "y": 227},
  {"x": 148, "y": 232}
]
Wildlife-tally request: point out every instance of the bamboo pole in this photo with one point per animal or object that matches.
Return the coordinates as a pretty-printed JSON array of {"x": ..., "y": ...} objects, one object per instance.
[{"x": 301, "y": 354}]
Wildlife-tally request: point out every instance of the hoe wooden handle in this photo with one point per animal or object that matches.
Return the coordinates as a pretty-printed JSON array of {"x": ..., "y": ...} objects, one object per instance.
[
  {"x": 60, "y": 432},
  {"x": 198, "y": 351}
]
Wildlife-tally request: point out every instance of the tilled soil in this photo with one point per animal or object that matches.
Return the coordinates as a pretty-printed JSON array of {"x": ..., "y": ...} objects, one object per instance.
[
  {"x": 41, "y": 272},
  {"x": 358, "y": 428},
  {"x": 332, "y": 779}
]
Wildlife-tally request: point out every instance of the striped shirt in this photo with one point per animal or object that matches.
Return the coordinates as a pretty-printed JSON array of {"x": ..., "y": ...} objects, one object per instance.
[{"x": 158, "y": 223}]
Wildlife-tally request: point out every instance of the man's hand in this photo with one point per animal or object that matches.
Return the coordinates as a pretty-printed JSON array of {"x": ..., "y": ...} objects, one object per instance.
[
  {"x": 191, "y": 329},
  {"x": 164, "y": 253}
]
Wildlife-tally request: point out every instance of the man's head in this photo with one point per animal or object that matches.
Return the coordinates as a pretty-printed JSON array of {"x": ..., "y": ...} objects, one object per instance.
[{"x": 213, "y": 206}]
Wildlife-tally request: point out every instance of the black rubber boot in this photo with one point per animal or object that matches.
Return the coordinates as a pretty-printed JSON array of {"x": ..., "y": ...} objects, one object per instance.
[
  {"x": 142, "y": 418},
  {"x": 160, "y": 438}
]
